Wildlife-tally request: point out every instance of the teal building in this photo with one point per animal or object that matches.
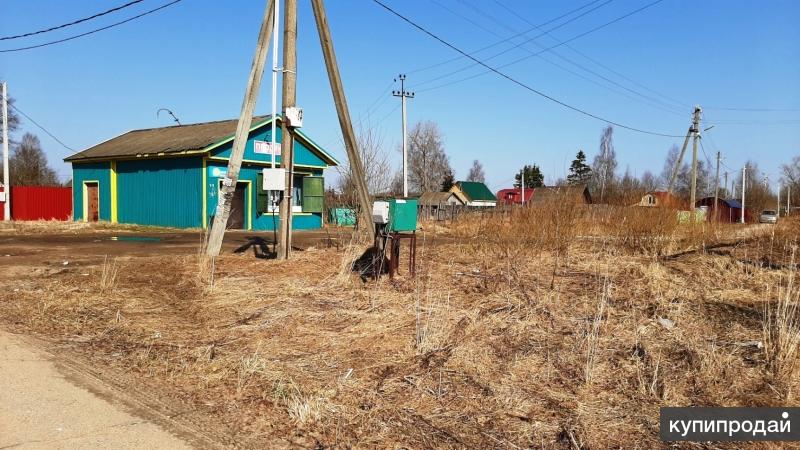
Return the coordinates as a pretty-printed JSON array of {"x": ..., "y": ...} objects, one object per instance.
[{"x": 171, "y": 177}]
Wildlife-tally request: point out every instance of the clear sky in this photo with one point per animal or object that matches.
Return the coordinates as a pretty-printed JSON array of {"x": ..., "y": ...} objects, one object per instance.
[{"x": 193, "y": 58}]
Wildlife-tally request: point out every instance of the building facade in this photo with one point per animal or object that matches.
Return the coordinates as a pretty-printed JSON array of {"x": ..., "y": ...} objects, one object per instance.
[{"x": 172, "y": 176}]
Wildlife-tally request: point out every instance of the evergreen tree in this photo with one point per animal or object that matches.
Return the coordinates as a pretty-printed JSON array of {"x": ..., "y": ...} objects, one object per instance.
[
  {"x": 533, "y": 177},
  {"x": 579, "y": 171},
  {"x": 449, "y": 181}
]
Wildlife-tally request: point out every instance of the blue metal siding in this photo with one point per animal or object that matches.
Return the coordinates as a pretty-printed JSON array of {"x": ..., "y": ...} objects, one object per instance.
[
  {"x": 217, "y": 170},
  {"x": 164, "y": 192},
  {"x": 302, "y": 154},
  {"x": 100, "y": 172}
]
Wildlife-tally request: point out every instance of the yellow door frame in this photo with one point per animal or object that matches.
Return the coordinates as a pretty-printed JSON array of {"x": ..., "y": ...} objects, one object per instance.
[{"x": 85, "y": 193}]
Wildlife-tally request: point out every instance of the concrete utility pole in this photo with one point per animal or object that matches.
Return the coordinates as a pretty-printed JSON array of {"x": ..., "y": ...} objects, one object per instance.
[
  {"x": 240, "y": 138},
  {"x": 522, "y": 178},
  {"x": 288, "y": 100},
  {"x": 788, "y": 198},
  {"x": 778, "y": 203},
  {"x": 403, "y": 94},
  {"x": 678, "y": 162},
  {"x": 351, "y": 144},
  {"x": 744, "y": 176},
  {"x": 6, "y": 182},
  {"x": 696, "y": 127},
  {"x": 716, "y": 190}
]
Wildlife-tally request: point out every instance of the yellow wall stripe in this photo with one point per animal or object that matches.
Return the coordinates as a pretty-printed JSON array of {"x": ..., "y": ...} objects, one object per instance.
[{"x": 113, "y": 192}]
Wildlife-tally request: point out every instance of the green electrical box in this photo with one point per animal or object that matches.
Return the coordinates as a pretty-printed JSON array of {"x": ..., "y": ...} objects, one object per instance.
[{"x": 402, "y": 215}]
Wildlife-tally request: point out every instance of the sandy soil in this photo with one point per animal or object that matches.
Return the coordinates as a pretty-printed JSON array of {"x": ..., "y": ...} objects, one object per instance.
[{"x": 44, "y": 407}]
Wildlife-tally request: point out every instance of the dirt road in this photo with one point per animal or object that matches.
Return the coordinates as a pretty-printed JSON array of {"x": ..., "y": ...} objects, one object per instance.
[{"x": 43, "y": 407}]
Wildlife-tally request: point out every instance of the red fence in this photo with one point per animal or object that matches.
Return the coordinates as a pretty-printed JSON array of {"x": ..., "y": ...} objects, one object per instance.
[{"x": 39, "y": 203}]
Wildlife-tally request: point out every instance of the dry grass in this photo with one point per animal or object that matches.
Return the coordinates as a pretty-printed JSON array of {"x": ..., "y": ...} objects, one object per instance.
[{"x": 543, "y": 328}]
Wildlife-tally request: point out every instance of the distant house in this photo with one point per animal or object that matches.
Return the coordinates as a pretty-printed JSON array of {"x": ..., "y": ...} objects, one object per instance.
[
  {"x": 435, "y": 205},
  {"x": 578, "y": 194},
  {"x": 438, "y": 199},
  {"x": 662, "y": 199},
  {"x": 513, "y": 196},
  {"x": 729, "y": 210},
  {"x": 474, "y": 193}
]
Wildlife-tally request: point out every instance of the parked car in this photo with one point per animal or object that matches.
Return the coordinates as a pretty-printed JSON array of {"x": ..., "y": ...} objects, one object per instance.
[{"x": 768, "y": 216}]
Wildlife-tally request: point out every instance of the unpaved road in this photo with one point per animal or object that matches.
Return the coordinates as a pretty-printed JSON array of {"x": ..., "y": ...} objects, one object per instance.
[{"x": 42, "y": 407}]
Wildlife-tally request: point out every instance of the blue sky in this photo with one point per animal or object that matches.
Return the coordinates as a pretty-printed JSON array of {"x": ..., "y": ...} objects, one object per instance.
[{"x": 194, "y": 57}]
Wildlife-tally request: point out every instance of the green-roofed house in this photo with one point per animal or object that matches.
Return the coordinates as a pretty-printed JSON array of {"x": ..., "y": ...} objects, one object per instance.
[
  {"x": 171, "y": 177},
  {"x": 474, "y": 193}
]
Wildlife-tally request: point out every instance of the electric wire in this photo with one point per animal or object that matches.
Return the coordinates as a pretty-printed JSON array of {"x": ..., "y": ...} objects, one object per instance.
[
  {"x": 22, "y": 113},
  {"x": 495, "y": 44},
  {"x": 513, "y": 47},
  {"x": 677, "y": 103},
  {"x": 517, "y": 82},
  {"x": 96, "y": 30},
  {"x": 518, "y": 60},
  {"x": 645, "y": 99},
  {"x": 85, "y": 19}
]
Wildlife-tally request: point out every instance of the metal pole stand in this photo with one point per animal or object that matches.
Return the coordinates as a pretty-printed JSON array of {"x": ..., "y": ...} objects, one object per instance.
[{"x": 394, "y": 252}]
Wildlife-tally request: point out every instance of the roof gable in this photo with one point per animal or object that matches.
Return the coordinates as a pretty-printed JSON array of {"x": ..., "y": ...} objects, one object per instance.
[{"x": 476, "y": 191}]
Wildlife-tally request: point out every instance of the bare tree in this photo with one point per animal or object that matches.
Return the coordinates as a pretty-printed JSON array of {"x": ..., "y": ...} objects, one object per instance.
[
  {"x": 375, "y": 160},
  {"x": 790, "y": 177},
  {"x": 427, "y": 161},
  {"x": 758, "y": 195},
  {"x": 604, "y": 165},
  {"x": 13, "y": 124},
  {"x": 28, "y": 164},
  {"x": 13, "y": 118},
  {"x": 649, "y": 181},
  {"x": 476, "y": 172}
]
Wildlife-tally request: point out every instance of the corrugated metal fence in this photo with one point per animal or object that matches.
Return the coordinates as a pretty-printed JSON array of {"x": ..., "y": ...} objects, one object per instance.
[{"x": 40, "y": 203}]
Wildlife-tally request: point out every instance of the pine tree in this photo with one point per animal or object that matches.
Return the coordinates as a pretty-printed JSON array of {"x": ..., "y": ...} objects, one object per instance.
[
  {"x": 533, "y": 177},
  {"x": 449, "y": 181},
  {"x": 579, "y": 171}
]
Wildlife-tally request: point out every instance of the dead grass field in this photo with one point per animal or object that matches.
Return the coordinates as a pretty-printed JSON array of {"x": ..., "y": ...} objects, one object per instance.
[{"x": 548, "y": 328}]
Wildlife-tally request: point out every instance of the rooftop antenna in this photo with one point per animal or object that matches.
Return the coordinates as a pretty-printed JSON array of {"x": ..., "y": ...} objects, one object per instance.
[{"x": 170, "y": 113}]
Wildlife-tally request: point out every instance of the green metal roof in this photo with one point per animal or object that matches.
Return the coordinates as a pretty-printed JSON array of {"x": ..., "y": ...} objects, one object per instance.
[{"x": 476, "y": 190}]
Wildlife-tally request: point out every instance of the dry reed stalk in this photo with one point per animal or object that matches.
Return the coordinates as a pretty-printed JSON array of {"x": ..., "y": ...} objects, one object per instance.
[
  {"x": 781, "y": 335},
  {"x": 108, "y": 274}
]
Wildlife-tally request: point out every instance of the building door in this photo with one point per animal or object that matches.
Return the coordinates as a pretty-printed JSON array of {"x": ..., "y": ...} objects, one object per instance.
[
  {"x": 92, "y": 202},
  {"x": 236, "y": 218}
]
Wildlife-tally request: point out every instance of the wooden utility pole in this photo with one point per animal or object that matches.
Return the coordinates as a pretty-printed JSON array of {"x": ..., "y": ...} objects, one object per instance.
[
  {"x": 350, "y": 142},
  {"x": 289, "y": 98},
  {"x": 228, "y": 188},
  {"x": 716, "y": 191},
  {"x": 696, "y": 126}
]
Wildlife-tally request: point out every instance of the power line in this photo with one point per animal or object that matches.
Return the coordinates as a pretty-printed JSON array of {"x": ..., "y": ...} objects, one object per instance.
[
  {"x": 92, "y": 31},
  {"x": 515, "y": 46},
  {"x": 515, "y": 81},
  {"x": 646, "y": 99},
  {"x": 754, "y": 109},
  {"x": 679, "y": 103},
  {"x": 85, "y": 19},
  {"x": 518, "y": 34},
  {"x": 516, "y": 61},
  {"x": 16, "y": 108}
]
